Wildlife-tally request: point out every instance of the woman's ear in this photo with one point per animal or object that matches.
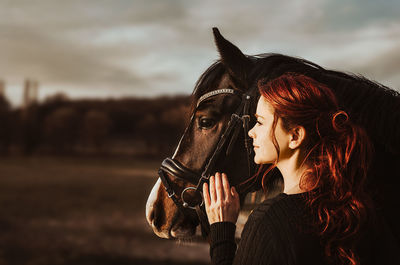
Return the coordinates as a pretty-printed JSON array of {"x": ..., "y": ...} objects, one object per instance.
[{"x": 297, "y": 136}]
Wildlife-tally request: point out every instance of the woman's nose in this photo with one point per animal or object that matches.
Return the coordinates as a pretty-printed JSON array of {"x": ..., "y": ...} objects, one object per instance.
[{"x": 251, "y": 133}]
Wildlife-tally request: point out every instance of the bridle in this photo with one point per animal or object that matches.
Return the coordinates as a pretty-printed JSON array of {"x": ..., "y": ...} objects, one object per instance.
[{"x": 173, "y": 167}]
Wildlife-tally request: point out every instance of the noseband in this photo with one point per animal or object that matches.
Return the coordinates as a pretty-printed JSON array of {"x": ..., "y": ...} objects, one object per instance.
[{"x": 227, "y": 139}]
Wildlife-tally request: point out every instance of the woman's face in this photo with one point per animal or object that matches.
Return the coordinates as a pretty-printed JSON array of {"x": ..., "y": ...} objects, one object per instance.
[{"x": 264, "y": 149}]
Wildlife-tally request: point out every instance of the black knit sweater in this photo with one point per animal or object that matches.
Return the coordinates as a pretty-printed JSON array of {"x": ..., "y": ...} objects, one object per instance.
[{"x": 278, "y": 231}]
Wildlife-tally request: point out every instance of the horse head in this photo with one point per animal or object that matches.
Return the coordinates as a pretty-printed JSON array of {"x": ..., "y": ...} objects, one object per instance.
[{"x": 209, "y": 144}]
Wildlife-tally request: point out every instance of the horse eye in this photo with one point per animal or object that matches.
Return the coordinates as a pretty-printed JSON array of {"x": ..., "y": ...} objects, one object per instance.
[{"x": 206, "y": 123}]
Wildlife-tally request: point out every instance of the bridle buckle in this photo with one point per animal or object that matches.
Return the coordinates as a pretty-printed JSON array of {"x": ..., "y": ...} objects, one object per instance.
[{"x": 187, "y": 205}]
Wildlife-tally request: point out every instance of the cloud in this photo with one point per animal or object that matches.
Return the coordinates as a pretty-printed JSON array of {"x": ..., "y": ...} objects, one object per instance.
[
  {"x": 143, "y": 47},
  {"x": 385, "y": 67},
  {"x": 349, "y": 15},
  {"x": 32, "y": 53}
]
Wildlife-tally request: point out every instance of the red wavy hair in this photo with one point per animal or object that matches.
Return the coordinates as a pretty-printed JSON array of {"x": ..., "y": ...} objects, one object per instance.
[{"x": 337, "y": 155}]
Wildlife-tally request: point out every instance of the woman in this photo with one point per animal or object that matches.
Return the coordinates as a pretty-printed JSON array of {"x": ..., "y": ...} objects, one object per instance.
[{"x": 324, "y": 212}]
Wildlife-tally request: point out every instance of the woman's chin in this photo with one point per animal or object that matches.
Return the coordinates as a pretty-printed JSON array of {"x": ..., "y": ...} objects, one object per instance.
[{"x": 258, "y": 161}]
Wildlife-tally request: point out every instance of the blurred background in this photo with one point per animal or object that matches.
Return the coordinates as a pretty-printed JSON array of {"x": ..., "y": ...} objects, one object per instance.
[{"x": 94, "y": 94}]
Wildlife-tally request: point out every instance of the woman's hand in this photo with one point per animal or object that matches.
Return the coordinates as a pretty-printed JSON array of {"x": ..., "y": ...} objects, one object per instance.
[{"x": 222, "y": 202}]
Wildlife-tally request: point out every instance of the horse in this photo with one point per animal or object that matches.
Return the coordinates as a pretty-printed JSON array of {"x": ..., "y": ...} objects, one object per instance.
[{"x": 209, "y": 144}]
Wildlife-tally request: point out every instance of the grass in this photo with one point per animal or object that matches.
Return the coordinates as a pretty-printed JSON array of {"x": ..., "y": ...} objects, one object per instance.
[{"x": 80, "y": 210}]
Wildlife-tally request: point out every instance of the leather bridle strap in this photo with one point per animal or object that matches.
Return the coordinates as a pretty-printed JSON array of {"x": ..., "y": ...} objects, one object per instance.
[
  {"x": 176, "y": 169},
  {"x": 242, "y": 111},
  {"x": 203, "y": 220},
  {"x": 170, "y": 191},
  {"x": 235, "y": 119},
  {"x": 173, "y": 167},
  {"x": 247, "y": 139}
]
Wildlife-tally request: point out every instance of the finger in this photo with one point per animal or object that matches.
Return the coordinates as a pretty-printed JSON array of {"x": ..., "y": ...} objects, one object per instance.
[
  {"x": 234, "y": 192},
  {"x": 213, "y": 194},
  {"x": 225, "y": 184},
  {"x": 236, "y": 197},
  {"x": 218, "y": 187},
  {"x": 206, "y": 195}
]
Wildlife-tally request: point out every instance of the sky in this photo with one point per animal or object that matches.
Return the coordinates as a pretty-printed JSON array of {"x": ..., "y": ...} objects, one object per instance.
[{"x": 117, "y": 48}]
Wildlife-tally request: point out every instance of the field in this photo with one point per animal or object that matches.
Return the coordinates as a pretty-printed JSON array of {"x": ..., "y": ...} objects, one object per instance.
[{"x": 81, "y": 211}]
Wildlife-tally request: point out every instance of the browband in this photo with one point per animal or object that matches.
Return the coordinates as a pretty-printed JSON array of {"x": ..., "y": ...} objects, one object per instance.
[{"x": 216, "y": 92}]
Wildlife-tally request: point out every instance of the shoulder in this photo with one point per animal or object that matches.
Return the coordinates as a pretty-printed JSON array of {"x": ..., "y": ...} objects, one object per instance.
[
  {"x": 281, "y": 213},
  {"x": 283, "y": 206},
  {"x": 281, "y": 225}
]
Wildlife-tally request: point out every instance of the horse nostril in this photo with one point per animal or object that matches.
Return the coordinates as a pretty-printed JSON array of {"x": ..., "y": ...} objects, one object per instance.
[
  {"x": 151, "y": 217},
  {"x": 156, "y": 219}
]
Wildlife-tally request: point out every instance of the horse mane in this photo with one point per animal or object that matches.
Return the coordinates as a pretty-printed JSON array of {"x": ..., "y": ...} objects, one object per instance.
[{"x": 370, "y": 104}]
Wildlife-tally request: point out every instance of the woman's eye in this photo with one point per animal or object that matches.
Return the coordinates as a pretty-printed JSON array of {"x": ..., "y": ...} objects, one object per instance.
[
  {"x": 259, "y": 123},
  {"x": 206, "y": 123}
]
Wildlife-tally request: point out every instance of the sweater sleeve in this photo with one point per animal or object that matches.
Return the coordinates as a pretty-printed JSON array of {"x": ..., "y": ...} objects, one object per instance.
[{"x": 222, "y": 243}]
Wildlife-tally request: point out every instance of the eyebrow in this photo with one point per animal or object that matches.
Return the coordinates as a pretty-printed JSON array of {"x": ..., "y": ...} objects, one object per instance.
[{"x": 258, "y": 116}]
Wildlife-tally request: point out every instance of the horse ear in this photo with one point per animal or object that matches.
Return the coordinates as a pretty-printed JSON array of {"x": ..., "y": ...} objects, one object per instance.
[{"x": 234, "y": 60}]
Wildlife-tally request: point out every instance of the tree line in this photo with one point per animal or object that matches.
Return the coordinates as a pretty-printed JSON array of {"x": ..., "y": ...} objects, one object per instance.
[{"x": 132, "y": 126}]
